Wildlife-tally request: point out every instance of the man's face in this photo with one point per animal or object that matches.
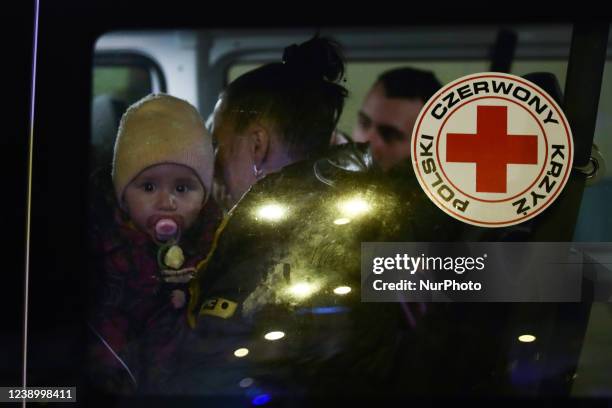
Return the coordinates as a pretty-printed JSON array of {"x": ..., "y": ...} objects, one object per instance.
[
  {"x": 166, "y": 193},
  {"x": 233, "y": 160},
  {"x": 387, "y": 124}
]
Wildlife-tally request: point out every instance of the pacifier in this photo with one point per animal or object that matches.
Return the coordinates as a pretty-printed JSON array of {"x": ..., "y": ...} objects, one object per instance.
[{"x": 165, "y": 229}]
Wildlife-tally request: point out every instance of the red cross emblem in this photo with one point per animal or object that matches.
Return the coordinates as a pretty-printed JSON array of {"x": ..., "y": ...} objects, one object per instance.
[{"x": 492, "y": 149}]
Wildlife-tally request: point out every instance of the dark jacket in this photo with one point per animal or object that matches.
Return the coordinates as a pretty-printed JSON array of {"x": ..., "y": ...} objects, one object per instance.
[{"x": 334, "y": 345}]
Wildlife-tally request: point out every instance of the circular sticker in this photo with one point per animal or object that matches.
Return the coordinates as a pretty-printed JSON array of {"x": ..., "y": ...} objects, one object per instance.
[{"x": 492, "y": 149}]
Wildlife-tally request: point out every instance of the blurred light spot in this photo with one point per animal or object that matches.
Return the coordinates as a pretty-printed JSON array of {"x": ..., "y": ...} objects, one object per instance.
[
  {"x": 342, "y": 221},
  {"x": 261, "y": 399},
  {"x": 354, "y": 206},
  {"x": 526, "y": 338},
  {"x": 241, "y": 352},
  {"x": 342, "y": 290},
  {"x": 302, "y": 289},
  {"x": 275, "y": 335},
  {"x": 322, "y": 310},
  {"x": 246, "y": 382},
  {"x": 271, "y": 212},
  {"x": 329, "y": 310}
]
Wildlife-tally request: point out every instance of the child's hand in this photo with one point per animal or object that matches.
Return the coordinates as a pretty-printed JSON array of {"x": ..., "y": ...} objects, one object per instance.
[{"x": 177, "y": 297}]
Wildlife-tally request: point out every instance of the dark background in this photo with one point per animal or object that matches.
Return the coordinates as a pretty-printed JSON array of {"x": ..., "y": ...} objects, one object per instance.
[
  {"x": 68, "y": 31},
  {"x": 17, "y": 60}
]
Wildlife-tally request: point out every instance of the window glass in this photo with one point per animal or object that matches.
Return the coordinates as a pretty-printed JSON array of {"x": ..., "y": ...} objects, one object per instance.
[
  {"x": 127, "y": 83},
  {"x": 116, "y": 85}
]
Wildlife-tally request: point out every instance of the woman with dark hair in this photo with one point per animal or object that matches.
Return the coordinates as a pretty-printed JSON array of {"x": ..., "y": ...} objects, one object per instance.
[{"x": 278, "y": 114}]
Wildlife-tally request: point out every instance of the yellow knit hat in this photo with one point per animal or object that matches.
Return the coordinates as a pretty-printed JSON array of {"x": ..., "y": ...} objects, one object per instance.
[{"x": 161, "y": 129}]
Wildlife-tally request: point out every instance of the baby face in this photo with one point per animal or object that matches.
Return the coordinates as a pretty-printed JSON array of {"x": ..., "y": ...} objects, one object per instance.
[{"x": 164, "y": 200}]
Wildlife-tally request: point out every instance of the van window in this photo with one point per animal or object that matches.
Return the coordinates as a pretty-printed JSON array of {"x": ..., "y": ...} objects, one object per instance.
[
  {"x": 126, "y": 83},
  {"x": 119, "y": 79}
]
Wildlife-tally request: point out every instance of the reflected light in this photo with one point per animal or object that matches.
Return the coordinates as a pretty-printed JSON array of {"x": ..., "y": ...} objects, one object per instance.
[
  {"x": 271, "y": 212},
  {"x": 246, "y": 382},
  {"x": 526, "y": 338},
  {"x": 322, "y": 310},
  {"x": 354, "y": 206},
  {"x": 302, "y": 289},
  {"x": 274, "y": 335},
  {"x": 329, "y": 310},
  {"x": 261, "y": 399},
  {"x": 241, "y": 352},
  {"x": 342, "y": 221},
  {"x": 342, "y": 290}
]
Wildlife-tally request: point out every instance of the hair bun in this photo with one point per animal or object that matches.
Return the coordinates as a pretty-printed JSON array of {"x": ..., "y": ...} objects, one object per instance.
[{"x": 317, "y": 58}]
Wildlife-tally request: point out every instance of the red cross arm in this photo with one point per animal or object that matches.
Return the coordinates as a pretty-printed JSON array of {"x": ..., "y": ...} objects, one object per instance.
[{"x": 492, "y": 149}]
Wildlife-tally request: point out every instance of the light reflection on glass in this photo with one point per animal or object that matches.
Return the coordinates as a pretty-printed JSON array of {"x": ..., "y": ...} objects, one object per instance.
[
  {"x": 261, "y": 399},
  {"x": 322, "y": 310},
  {"x": 302, "y": 290},
  {"x": 329, "y": 310},
  {"x": 526, "y": 338},
  {"x": 274, "y": 335},
  {"x": 342, "y": 221},
  {"x": 271, "y": 212},
  {"x": 354, "y": 206},
  {"x": 246, "y": 382},
  {"x": 342, "y": 290}
]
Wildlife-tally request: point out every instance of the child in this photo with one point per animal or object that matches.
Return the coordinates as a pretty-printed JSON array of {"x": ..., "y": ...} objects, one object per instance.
[{"x": 163, "y": 226}]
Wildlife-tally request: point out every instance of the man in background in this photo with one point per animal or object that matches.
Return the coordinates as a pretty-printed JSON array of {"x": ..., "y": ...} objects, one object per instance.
[{"x": 389, "y": 113}]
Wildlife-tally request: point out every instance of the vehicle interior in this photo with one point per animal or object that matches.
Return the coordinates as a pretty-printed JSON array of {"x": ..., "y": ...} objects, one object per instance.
[{"x": 572, "y": 356}]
